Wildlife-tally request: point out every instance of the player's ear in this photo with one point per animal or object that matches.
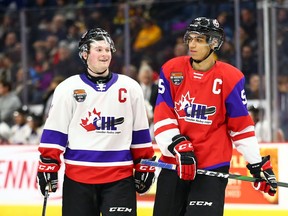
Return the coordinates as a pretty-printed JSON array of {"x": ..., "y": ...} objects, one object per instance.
[
  {"x": 84, "y": 55},
  {"x": 214, "y": 43}
]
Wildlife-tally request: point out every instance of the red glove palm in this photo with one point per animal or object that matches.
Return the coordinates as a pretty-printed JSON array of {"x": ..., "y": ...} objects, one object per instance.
[{"x": 185, "y": 157}]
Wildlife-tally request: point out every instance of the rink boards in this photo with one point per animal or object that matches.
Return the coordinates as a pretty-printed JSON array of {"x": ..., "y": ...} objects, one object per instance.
[{"x": 19, "y": 194}]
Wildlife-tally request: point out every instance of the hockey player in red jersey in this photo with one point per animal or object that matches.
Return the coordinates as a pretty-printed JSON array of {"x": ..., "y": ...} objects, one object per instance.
[
  {"x": 97, "y": 119},
  {"x": 200, "y": 114}
]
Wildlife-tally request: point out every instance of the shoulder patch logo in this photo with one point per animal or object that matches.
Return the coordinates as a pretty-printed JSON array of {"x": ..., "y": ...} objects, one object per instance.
[
  {"x": 176, "y": 77},
  {"x": 79, "y": 95}
]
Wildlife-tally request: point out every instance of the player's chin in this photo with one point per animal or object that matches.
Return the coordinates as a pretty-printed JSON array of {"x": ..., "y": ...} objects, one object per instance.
[{"x": 104, "y": 64}]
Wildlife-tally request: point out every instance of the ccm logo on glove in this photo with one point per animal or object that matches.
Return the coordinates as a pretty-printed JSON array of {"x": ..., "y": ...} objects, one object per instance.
[
  {"x": 184, "y": 146},
  {"x": 48, "y": 167},
  {"x": 146, "y": 168}
]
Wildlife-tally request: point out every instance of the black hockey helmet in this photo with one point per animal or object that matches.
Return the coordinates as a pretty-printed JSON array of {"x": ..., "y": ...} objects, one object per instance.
[
  {"x": 208, "y": 27},
  {"x": 95, "y": 34}
]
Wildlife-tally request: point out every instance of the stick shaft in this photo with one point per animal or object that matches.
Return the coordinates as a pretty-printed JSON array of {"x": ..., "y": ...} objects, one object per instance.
[
  {"x": 45, "y": 202},
  {"x": 207, "y": 172}
]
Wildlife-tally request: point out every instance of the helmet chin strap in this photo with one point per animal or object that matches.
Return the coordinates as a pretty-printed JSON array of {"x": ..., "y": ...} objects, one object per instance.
[
  {"x": 199, "y": 61},
  {"x": 99, "y": 78},
  {"x": 98, "y": 73}
]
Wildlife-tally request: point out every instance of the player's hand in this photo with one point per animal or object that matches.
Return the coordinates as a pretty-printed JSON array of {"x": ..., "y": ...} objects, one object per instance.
[
  {"x": 144, "y": 176},
  {"x": 183, "y": 150},
  {"x": 48, "y": 174},
  {"x": 266, "y": 179}
]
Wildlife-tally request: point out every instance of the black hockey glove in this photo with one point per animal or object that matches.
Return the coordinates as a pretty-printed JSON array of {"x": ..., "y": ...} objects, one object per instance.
[
  {"x": 263, "y": 171},
  {"x": 47, "y": 176},
  {"x": 144, "y": 176},
  {"x": 182, "y": 149}
]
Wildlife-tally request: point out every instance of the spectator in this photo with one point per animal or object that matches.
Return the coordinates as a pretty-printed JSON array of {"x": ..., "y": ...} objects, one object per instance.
[
  {"x": 20, "y": 130},
  {"x": 9, "y": 102},
  {"x": 249, "y": 63},
  {"x": 40, "y": 74},
  {"x": 223, "y": 19},
  {"x": 283, "y": 103},
  {"x": 149, "y": 87},
  {"x": 130, "y": 71},
  {"x": 180, "y": 49},
  {"x": 67, "y": 65},
  {"x": 5, "y": 132},
  {"x": 248, "y": 22},
  {"x": 227, "y": 52},
  {"x": 146, "y": 41},
  {"x": 35, "y": 123},
  {"x": 10, "y": 42},
  {"x": 48, "y": 96},
  {"x": 253, "y": 87},
  {"x": 150, "y": 34},
  {"x": 262, "y": 126}
]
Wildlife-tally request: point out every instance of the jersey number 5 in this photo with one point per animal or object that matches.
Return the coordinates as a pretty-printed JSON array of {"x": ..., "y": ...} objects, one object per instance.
[
  {"x": 161, "y": 87},
  {"x": 243, "y": 96}
]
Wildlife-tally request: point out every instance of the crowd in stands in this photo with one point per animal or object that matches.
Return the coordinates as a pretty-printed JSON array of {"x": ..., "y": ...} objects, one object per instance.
[{"x": 156, "y": 29}]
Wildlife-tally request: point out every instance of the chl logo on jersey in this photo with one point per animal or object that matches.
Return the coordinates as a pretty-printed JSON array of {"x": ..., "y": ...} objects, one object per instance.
[
  {"x": 193, "y": 112},
  {"x": 96, "y": 122},
  {"x": 176, "y": 77}
]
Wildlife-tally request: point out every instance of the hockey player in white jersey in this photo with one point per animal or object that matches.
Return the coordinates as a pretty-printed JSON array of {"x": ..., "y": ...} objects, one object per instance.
[{"x": 97, "y": 119}]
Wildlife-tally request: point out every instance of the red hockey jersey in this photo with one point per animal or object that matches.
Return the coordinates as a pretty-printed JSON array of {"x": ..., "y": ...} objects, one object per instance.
[{"x": 208, "y": 107}]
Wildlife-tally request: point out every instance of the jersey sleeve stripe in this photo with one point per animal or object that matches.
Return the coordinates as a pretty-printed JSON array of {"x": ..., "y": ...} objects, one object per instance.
[
  {"x": 165, "y": 122},
  {"x": 51, "y": 146},
  {"x": 141, "y": 136},
  {"x": 144, "y": 145},
  {"x": 247, "y": 129},
  {"x": 243, "y": 136},
  {"x": 55, "y": 137}
]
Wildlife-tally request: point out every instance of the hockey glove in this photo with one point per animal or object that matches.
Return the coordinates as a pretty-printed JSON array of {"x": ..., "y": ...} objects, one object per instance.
[
  {"x": 144, "y": 176},
  {"x": 182, "y": 149},
  {"x": 263, "y": 172},
  {"x": 48, "y": 174}
]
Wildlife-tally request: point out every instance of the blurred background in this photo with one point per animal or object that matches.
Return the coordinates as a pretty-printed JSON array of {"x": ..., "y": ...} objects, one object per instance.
[{"x": 39, "y": 49}]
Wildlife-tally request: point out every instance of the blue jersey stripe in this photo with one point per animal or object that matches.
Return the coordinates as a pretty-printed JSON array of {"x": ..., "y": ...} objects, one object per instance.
[
  {"x": 141, "y": 136},
  {"x": 97, "y": 156},
  {"x": 54, "y": 137}
]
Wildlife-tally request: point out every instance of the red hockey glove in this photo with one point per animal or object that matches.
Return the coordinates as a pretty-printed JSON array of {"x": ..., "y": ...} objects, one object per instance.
[
  {"x": 48, "y": 174},
  {"x": 183, "y": 150},
  {"x": 144, "y": 176},
  {"x": 263, "y": 171}
]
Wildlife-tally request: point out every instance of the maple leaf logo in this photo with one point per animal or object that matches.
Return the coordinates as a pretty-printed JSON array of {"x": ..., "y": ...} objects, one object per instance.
[
  {"x": 88, "y": 122},
  {"x": 185, "y": 101}
]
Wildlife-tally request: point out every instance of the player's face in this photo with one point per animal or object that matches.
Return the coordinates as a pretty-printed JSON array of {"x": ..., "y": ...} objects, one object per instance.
[
  {"x": 99, "y": 57},
  {"x": 198, "y": 46}
]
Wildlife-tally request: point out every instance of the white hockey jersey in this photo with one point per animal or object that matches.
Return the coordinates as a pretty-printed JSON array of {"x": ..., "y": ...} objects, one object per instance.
[{"x": 101, "y": 128}]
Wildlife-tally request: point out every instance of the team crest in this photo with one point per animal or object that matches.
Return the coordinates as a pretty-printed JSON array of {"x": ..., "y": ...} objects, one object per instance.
[
  {"x": 187, "y": 109},
  {"x": 79, "y": 95},
  {"x": 94, "y": 121},
  {"x": 176, "y": 77}
]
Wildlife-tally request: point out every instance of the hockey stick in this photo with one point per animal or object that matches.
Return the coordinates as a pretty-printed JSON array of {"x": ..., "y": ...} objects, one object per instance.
[
  {"x": 45, "y": 200},
  {"x": 206, "y": 172}
]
